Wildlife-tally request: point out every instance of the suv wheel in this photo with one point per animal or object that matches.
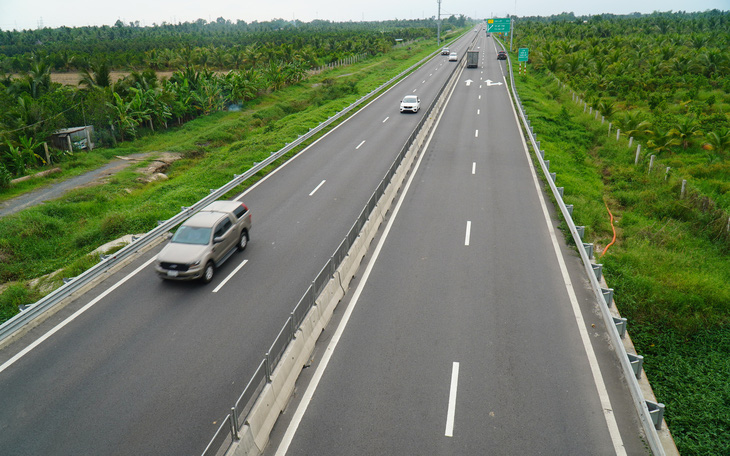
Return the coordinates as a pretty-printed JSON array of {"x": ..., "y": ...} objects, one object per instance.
[
  {"x": 243, "y": 242},
  {"x": 208, "y": 272}
]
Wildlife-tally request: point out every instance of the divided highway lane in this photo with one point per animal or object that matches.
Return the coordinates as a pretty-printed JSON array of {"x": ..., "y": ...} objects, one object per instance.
[
  {"x": 462, "y": 339},
  {"x": 151, "y": 366}
]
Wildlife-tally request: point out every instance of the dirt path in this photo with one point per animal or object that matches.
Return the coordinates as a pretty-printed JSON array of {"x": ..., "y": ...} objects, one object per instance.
[{"x": 53, "y": 191}]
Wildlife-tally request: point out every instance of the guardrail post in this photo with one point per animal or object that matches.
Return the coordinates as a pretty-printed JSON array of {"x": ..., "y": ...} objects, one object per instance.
[
  {"x": 598, "y": 270},
  {"x": 631, "y": 140},
  {"x": 267, "y": 367},
  {"x": 620, "y": 326},
  {"x": 553, "y": 176},
  {"x": 569, "y": 207},
  {"x": 542, "y": 154},
  {"x": 538, "y": 145},
  {"x": 637, "y": 362},
  {"x": 234, "y": 424},
  {"x": 547, "y": 164},
  {"x": 651, "y": 163},
  {"x": 561, "y": 190},
  {"x": 618, "y": 134},
  {"x": 609, "y": 127},
  {"x": 589, "y": 249},
  {"x": 656, "y": 412},
  {"x": 638, "y": 152},
  {"x": 607, "y": 296},
  {"x": 684, "y": 188},
  {"x": 581, "y": 231}
]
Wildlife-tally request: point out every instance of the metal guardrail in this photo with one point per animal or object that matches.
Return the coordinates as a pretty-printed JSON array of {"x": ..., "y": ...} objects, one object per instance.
[
  {"x": 642, "y": 406},
  {"x": 287, "y": 332},
  {"x": 77, "y": 284}
]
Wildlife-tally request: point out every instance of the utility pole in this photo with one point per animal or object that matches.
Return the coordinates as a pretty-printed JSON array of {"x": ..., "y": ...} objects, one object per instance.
[{"x": 438, "y": 25}]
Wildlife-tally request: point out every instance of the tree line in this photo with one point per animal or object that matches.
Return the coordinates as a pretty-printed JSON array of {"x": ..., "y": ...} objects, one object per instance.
[
  {"x": 660, "y": 77},
  {"x": 214, "y": 65}
]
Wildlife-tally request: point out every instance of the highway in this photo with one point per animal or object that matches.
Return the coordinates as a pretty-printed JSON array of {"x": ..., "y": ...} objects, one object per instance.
[
  {"x": 473, "y": 329},
  {"x": 141, "y": 366}
]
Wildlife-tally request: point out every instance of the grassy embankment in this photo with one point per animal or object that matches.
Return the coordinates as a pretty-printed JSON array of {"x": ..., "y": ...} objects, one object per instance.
[
  {"x": 670, "y": 266},
  {"x": 59, "y": 235}
]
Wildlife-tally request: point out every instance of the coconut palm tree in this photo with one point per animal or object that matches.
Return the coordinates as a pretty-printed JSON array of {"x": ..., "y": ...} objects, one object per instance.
[
  {"x": 632, "y": 123},
  {"x": 97, "y": 75},
  {"x": 662, "y": 141},
  {"x": 684, "y": 130},
  {"x": 719, "y": 140}
]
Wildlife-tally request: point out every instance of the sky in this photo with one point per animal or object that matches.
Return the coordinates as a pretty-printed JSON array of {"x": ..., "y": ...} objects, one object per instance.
[{"x": 32, "y": 14}]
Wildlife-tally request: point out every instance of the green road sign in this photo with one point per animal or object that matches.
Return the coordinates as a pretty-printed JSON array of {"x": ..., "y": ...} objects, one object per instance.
[
  {"x": 522, "y": 54},
  {"x": 498, "y": 25}
]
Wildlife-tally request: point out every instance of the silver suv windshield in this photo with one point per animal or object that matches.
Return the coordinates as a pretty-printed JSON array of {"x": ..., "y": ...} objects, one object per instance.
[{"x": 192, "y": 235}]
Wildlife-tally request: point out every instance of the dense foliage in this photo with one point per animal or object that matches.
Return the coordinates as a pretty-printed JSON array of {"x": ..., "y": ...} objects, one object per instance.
[
  {"x": 214, "y": 65},
  {"x": 662, "y": 79}
]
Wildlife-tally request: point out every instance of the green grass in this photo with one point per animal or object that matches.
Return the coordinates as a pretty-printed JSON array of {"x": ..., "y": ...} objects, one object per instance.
[
  {"x": 60, "y": 234},
  {"x": 670, "y": 266}
]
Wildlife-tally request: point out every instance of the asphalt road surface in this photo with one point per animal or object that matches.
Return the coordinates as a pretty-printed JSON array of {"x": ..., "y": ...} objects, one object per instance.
[
  {"x": 473, "y": 330},
  {"x": 142, "y": 366}
]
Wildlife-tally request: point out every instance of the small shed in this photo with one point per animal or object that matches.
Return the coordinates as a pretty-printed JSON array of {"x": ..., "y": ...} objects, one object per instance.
[{"x": 73, "y": 138}]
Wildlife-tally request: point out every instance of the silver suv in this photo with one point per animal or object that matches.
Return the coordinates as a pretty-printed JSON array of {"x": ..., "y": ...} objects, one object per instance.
[{"x": 205, "y": 241}]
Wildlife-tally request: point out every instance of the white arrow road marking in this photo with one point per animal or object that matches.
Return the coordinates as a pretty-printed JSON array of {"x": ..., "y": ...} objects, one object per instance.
[
  {"x": 490, "y": 83},
  {"x": 468, "y": 82}
]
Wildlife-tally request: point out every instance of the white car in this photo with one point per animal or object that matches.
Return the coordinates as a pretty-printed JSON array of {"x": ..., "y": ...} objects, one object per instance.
[
  {"x": 410, "y": 103},
  {"x": 453, "y": 57}
]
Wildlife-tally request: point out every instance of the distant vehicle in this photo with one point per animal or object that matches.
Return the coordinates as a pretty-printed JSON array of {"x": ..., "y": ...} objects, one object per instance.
[
  {"x": 410, "y": 103},
  {"x": 445, "y": 51},
  {"x": 453, "y": 57},
  {"x": 472, "y": 59},
  {"x": 205, "y": 241},
  {"x": 501, "y": 55}
]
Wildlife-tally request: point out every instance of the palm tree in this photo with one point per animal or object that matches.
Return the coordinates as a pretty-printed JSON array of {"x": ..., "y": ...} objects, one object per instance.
[
  {"x": 719, "y": 140},
  {"x": 684, "y": 130},
  {"x": 662, "y": 141},
  {"x": 96, "y": 75},
  {"x": 632, "y": 123}
]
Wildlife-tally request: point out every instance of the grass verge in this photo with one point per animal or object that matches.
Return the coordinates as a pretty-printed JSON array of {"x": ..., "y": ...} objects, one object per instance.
[{"x": 670, "y": 266}]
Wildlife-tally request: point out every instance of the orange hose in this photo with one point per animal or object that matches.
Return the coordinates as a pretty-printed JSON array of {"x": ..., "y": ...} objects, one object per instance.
[{"x": 614, "y": 232}]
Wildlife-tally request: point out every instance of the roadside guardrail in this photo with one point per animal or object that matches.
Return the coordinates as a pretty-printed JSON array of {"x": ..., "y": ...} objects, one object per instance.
[
  {"x": 650, "y": 413},
  {"x": 35, "y": 313}
]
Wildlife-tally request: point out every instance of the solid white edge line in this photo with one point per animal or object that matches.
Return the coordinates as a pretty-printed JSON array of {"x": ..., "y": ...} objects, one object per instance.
[
  {"x": 317, "y": 377},
  {"x": 238, "y": 268},
  {"x": 317, "y": 188},
  {"x": 610, "y": 418},
  {"x": 359, "y": 145},
  {"x": 451, "y": 412},
  {"x": 71, "y": 318},
  {"x": 468, "y": 232}
]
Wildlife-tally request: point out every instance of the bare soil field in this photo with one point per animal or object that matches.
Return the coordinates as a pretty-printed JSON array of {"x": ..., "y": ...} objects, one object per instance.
[{"x": 73, "y": 78}]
